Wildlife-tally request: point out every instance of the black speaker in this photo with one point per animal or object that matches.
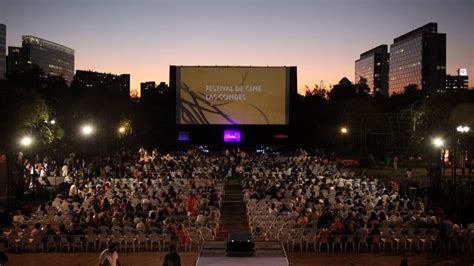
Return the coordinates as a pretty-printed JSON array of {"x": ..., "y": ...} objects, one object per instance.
[{"x": 240, "y": 244}]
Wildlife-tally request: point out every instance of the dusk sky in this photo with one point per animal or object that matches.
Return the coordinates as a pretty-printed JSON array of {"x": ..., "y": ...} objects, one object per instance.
[{"x": 321, "y": 38}]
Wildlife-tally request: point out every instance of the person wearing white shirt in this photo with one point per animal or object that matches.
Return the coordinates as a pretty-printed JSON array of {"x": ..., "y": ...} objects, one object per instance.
[
  {"x": 109, "y": 257},
  {"x": 141, "y": 226},
  {"x": 64, "y": 170},
  {"x": 73, "y": 190},
  {"x": 201, "y": 219},
  {"x": 68, "y": 179}
]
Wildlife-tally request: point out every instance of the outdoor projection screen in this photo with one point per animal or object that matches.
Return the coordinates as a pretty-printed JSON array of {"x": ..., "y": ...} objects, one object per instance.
[{"x": 232, "y": 95}]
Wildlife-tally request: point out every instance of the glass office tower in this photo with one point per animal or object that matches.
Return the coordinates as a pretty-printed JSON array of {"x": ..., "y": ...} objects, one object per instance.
[
  {"x": 54, "y": 59},
  {"x": 418, "y": 57},
  {"x": 3, "y": 58},
  {"x": 373, "y": 66}
]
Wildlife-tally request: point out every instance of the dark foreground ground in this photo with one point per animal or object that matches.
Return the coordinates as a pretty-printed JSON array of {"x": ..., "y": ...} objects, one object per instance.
[{"x": 189, "y": 258}]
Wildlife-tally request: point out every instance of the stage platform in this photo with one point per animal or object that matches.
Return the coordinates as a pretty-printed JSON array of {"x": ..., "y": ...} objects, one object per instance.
[{"x": 266, "y": 254}]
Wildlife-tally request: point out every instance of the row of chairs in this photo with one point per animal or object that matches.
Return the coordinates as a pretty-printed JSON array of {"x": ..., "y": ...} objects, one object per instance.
[
  {"x": 268, "y": 227},
  {"x": 126, "y": 240},
  {"x": 395, "y": 240}
]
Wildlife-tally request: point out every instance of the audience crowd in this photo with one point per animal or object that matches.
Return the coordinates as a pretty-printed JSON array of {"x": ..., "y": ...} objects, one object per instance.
[
  {"x": 143, "y": 191},
  {"x": 316, "y": 193},
  {"x": 290, "y": 198}
]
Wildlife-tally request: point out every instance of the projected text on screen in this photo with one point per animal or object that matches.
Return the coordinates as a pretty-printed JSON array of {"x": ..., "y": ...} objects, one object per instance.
[{"x": 232, "y": 95}]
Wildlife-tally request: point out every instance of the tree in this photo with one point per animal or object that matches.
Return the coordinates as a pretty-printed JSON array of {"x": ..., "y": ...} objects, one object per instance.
[
  {"x": 24, "y": 109},
  {"x": 362, "y": 87},
  {"x": 440, "y": 114},
  {"x": 25, "y": 113},
  {"x": 398, "y": 102},
  {"x": 343, "y": 90},
  {"x": 318, "y": 90}
]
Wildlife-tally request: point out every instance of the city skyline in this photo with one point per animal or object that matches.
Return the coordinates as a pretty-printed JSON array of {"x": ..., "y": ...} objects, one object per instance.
[{"x": 321, "y": 38}]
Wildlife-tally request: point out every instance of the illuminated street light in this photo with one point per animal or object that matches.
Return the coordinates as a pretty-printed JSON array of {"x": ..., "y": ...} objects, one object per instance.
[
  {"x": 87, "y": 130},
  {"x": 121, "y": 130},
  {"x": 438, "y": 142},
  {"x": 462, "y": 129},
  {"x": 26, "y": 141},
  {"x": 344, "y": 130},
  {"x": 53, "y": 122}
]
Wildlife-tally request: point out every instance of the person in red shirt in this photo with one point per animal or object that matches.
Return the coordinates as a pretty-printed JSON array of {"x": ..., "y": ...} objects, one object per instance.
[{"x": 191, "y": 204}]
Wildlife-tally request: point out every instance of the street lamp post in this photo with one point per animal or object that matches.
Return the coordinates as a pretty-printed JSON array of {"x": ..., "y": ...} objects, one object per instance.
[
  {"x": 121, "y": 134},
  {"x": 438, "y": 143},
  {"x": 461, "y": 130},
  {"x": 9, "y": 157},
  {"x": 87, "y": 130},
  {"x": 343, "y": 131},
  {"x": 25, "y": 142}
]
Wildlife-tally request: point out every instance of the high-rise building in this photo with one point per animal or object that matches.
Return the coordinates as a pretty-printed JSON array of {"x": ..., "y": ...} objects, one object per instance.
[
  {"x": 146, "y": 88},
  {"x": 52, "y": 58},
  {"x": 3, "y": 45},
  {"x": 14, "y": 62},
  {"x": 373, "y": 67},
  {"x": 458, "y": 82},
  {"x": 418, "y": 57},
  {"x": 103, "y": 83}
]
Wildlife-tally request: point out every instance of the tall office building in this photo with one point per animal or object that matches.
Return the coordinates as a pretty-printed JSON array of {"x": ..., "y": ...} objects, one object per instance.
[
  {"x": 3, "y": 45},
  {"x": 418, "y": 57},
  {"x": 103, "y": 83},
  {"x": 54, "y": 59},
  {"x": 458, "y": 82},
  {"x": 14, "y": 62},
  {"x": 373, "y": 67}
]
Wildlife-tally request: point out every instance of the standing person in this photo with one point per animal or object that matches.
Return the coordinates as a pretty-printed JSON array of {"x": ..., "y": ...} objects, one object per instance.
[
  {"x": 395, "y": 162},
  {"x": 409, "y": 173},
  {"x": 73, "y": 190},
  {"x": 172, "y": 258},
  {"x": 64, "y": 170},
  {"x": 109, "y": 257}
]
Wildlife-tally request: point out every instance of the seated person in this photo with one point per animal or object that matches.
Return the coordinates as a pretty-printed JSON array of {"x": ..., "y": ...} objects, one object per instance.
[{"x": 19, "y": 218}]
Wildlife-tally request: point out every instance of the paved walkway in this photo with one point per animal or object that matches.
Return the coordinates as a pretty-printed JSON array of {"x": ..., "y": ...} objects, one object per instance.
[
  {"x": 233, "y": 211},
  {"x": 189, "y": 258}
]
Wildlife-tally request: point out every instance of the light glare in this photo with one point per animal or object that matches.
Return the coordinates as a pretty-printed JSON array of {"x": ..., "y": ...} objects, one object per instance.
[
  {"x": 463, "y": 129},
  {"x": 438, "y": 142},
  {"x": 87, "y": 130},
  {"x": 26, "y": 141}
]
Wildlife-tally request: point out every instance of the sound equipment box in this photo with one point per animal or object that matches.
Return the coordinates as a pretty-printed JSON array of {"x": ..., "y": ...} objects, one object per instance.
[{"x": 240, "y": 244}]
